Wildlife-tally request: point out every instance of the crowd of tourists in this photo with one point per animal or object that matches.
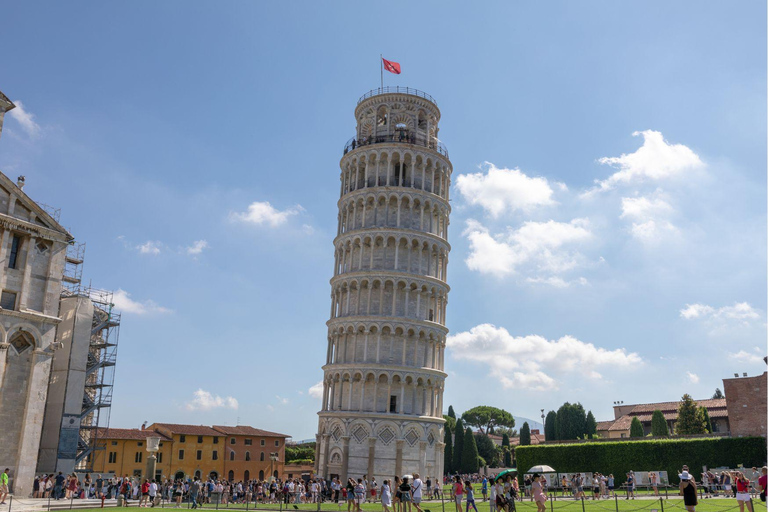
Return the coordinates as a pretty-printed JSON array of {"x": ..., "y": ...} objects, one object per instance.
[{"x": 400, "y": 494}]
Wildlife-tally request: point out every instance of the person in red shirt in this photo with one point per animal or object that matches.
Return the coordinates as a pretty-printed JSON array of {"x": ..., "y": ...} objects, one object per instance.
[
  {"x": 762, "y": 483},
  {"x": 144, "y": 501},
  {"x": 742, "y": 491}
]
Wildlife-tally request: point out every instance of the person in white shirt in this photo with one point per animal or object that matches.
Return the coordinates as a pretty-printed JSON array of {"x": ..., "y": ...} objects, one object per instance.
[
  {"x": 152, "y": 492},
  {"x": 416, "y": 488}
]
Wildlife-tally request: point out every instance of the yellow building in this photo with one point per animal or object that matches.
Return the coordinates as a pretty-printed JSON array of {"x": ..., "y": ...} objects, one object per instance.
[{"x": 186, "y": 451}]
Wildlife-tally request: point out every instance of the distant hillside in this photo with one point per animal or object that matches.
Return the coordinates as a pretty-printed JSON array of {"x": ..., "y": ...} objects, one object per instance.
[{"x": 519, "y": 420}]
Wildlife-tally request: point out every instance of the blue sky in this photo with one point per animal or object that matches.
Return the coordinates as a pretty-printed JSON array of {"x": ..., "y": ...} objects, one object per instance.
[{"x": 609, "y": 190}]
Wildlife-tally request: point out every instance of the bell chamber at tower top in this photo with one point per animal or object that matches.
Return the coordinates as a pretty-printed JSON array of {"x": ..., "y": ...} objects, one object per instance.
[{"x": 393, "y": 116}]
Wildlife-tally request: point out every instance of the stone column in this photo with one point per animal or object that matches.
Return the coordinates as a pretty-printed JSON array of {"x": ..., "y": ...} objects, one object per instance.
[
  {"x": 371, "y": 456},
  {"x": 399, "y": 457},
  {"x": 4, "y": 256},
  {"x": 422, "y": 458},
  {"x": 3, "y": 361},
  {"x": 439, "y": 459},
  {"x": 29, "y": 442},
  {"x": 326, "y": 447},
  {"x": 344, "y": 458},
  {"x": 27, "y": 246}
]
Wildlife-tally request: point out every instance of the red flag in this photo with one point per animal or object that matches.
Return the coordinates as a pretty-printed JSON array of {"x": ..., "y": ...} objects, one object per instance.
[{"x": 392, "y": 67}]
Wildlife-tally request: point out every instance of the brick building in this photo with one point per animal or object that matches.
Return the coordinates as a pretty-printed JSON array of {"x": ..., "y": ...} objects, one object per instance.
[
  {"x": 747, "y": 411},
  {"x": 619, "y": 426},
  {"x": 248, "y": 453}
]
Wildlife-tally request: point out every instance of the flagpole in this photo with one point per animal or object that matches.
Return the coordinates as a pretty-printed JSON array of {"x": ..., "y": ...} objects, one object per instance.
[{"x": 381, "y": 64}]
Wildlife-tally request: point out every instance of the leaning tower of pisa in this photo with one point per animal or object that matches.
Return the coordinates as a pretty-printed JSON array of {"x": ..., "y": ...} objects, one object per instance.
[{"x": 383, "y": 376}]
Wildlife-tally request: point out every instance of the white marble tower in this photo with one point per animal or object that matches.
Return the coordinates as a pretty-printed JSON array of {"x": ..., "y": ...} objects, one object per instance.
[{"x": 384, "y": 378}]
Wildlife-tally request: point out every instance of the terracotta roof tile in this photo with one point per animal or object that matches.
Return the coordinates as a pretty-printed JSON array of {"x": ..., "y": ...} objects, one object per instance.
[
  {"x": 710, "y": 403},
  {"x": 244, "y": 430},
  {"x": 190, "y": 430},
  {"x": 128, "y": 433}
]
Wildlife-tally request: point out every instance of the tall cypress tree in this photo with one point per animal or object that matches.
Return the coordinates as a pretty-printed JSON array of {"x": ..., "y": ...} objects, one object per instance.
[
  {"x": 659, "y": 424},
  {"x": 549, "y": 426},
  {"x": 506, "y": 451},
  {"x": 525, "y": 434},
  {"x": 689, "y": 420},
  {"x": 469, "y": 462},
  {"x": 636, "y": 428},
  {"x": 451, "y": 412},
  {"x": 458, "y": 445},
  {"x": 704, "y": 413},
  {"x": 591, "y": 425},
  {"x": 448, "y": 454}
]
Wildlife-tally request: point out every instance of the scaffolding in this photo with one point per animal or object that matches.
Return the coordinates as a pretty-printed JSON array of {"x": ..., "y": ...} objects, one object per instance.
[
  {"x": 102, "y": 357},
  {"x": 73, "y": 267},
  {"x": 99, "y": 375}
]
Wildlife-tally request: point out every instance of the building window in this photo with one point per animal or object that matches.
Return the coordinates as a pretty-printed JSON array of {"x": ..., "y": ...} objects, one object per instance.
[
  {"x": 159, "y": 457},
  {"x": 199, "y": 439},
  {"x": 263, "y": 442},
  {"x": 181, "y": 454},
  {"x": 215, "y": 439},
  {"x": 233, "y": 441},
  {"x": 199, "y": 454},
  {"x": 14, "y": 256},
  {"x": 114, "y": 443},
  {"x": 248, "y": 442},
  {"x": 140, "y": 443},
  {"x": 182, "y": 439},
  {"x": 231, "y": 455},
  {"x": 138, "y": 457},
  {"x": 215, "y": 455},
  {"x": 393, "y": 403},
  {"x": 247, "y": 455},
  {"x": 113, "y": 457},
  {"x": 277, "y": 443},
  {"x": 261, "y": 457},
  {"x": 8, "y": 301}
]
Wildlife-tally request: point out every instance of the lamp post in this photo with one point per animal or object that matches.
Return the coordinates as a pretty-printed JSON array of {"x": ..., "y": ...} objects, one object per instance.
[
  {"x": 153, "y": 445},
  {"x": 273, "y": 456}
]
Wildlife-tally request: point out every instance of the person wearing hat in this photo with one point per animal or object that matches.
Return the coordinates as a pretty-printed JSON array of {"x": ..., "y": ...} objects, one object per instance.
[{"x": 688, "y": 490}]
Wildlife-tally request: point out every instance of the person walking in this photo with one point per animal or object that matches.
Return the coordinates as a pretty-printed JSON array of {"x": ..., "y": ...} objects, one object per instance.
[
  {"x": 470, "y": 495},
  {"x": 405, "y": 494},
  {"x": 4, "y": 486},
  {"x": 386, "y": 496},
  {"x": 539, "y": 495},
  {"x": 416, "y": 491},
  {"x": 458, "y": 492},
  {"x": 688, "y": 490}
]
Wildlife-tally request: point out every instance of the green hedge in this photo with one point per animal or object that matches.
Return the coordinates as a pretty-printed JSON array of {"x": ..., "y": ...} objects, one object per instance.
[{"x": 654, "y": 455}]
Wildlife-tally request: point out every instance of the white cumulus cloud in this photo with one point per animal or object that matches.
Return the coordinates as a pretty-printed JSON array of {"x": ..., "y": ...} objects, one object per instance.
[
  {"x": 692, "y": 378},
  {"x": 655, "y": 160},
  {"x": 25, "y": 118},
  {"x": 739, "y": 311},
  {"x": 649, "y": 216},
  {"x": 125, "y": 304},
  {"x": 197, "y": 247},
  {"x": 540, "y": 247},
  {"x": 533, "y": 362},
  {"x": 149, "y": 247},
  {"x": 499, "y": 190},
  {"x": 205, "y": 401},
  {"x": 316, "y": 391},
  {"x": 263, "y": 213},
  {"x": 754, "y": 357}
]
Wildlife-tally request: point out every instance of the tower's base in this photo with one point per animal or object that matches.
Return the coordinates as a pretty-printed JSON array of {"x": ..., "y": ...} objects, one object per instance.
[{"x": 379, "y": 445}]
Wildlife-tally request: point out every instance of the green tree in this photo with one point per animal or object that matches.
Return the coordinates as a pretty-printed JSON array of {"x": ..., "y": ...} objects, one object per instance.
[
  {"x": 704, "y": 413},
  {"x": 506, "y": 451},
  {"x": 487, "y": 449},
  {"x": 549, "y": 426},
  {"x": 570, "y": 422},
  {"x": 689, "y": 420},
  {"x": 300, "y": 452},
  {"x": 448, "y": 452},
  {"x": 636, "y": 428},
  {"x": 718, "y": 394},
  {"x": 525, "y": 435},
  {"x": 591, "y": 425},
  {"x": 485, "y": 417},
  {"x": 469, "y": 462},
  {"x": 451, "y": 412},
  {"x": 500, "y": 431},
  {"x": 458, "y": 446},
  {"x": 659, "y": 424},
  {"x": 450, "y": 422}
]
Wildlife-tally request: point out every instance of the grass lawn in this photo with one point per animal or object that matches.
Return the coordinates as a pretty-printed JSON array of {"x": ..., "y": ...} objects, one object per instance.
[{"x": 567, "y": 505}]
